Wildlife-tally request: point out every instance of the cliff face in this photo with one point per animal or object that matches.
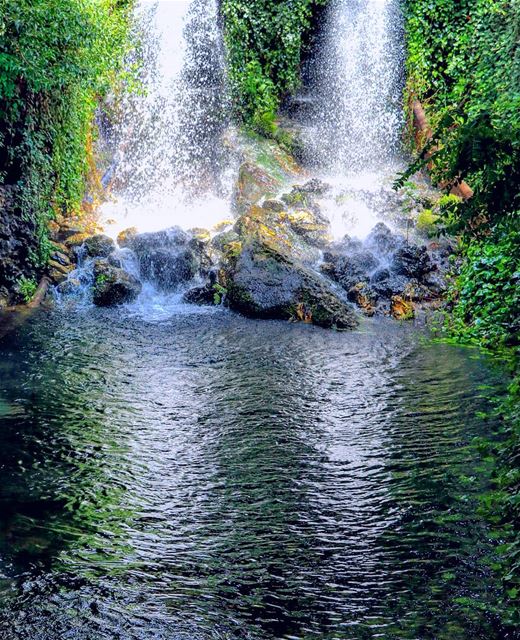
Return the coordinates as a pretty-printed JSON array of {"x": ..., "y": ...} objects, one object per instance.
[{"x": 18, "y": 243}]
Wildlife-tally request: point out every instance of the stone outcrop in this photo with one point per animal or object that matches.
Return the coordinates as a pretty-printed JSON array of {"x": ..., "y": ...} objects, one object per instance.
[
  {"x": 264, "y": 282},
  {"x": 113, "y": 286}
]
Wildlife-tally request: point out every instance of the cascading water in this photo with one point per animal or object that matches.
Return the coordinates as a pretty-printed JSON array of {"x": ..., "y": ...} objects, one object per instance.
[
  {"x": 351, "y": 109},
  {"x": 170, "y": 165}
]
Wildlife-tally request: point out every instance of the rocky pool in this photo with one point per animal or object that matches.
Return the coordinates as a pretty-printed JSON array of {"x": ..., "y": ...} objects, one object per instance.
[{"x": 196, "y": 475}]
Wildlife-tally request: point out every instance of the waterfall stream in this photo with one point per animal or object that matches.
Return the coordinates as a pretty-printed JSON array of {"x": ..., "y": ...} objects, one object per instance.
[
  {"x": 170, "y": 164},
  {"x": 350, "y": 110}
]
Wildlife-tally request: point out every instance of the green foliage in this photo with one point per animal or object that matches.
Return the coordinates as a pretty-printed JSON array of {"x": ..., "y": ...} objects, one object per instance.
[
  {"x": 487, "y": 292},
  {"x": 219, "y": 294},
  {"x": 57, "y": 57},
  {"x": 264, "y": 42},
  {"x": 464, "y": 66},
  {"x": 27, "y": 288}
]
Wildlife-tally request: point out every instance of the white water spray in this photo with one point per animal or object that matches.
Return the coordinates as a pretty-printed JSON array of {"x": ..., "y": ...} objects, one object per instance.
[
  {"x": 352, "y": 132},
  {"x": 170, "y": 165}
]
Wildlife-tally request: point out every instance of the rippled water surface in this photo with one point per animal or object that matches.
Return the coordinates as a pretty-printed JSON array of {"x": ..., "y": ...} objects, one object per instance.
[{"x": 208, "y": 477}]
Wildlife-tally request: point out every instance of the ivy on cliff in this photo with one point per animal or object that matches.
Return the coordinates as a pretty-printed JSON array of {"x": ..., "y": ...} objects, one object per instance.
[
  {"x": 57, "y": 57},
  {"x": 264, "y": 42},
  {"x": 464, "y": 66}
]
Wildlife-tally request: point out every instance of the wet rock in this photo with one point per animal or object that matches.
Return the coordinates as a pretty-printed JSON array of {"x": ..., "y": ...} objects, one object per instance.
[
  {"x": 99, "y": 246},
  {"x": 364, "y": 297},
  {"x": 167, "y": 239},
  {"x": 353, "y": 268},
  {"x": 313, "y": 227},
  {"x": 298, "y": 199},
  {"x": 382, "y": 240},
  {"x": 66, "y": 230},
  {"x": 221, "y": 241},
  {"x": 223, "y": 225},
  {"x": 62, "y": 257},
  {"x": 168, "y": 268},
  {"x": 18, "y": 244},
  {"x": 316, "y": 187},
  {"x": 200, "y": 235},
  {"x": 204, "y": 295},
  {"x": 412, "y": 261},
  {"x": 75, "y": 241},
  {"x": 254, "y": 183},
  {"x": 274, "y": 205},
  {"x": 262, "y": 282},
  {"x": 401, "y": 309},
  {"x": 417, "y": 292},
  {"x": 69, "y": 287},
  {"x": 125, "y": 238},
  {"x": 167, "y": 258},
  {"x": 58, "y": 272},
  {"x": 276, "y": 231},
  {"x": 113, "y": 286},
  {"x": 436, "y": 282},
  {"x": 386, "y": 284}
]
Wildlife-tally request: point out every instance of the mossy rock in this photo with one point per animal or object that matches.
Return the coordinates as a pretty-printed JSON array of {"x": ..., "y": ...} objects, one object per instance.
[
  {"x": 263, "y": 282},
  {"x": 113, "y": 286}
]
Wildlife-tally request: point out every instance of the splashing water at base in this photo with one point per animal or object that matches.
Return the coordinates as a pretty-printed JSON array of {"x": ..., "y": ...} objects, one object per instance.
[{"x": 170, "y": 165}]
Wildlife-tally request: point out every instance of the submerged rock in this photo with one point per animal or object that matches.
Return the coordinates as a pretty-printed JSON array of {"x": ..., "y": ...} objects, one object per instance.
[{"x": 113, "y": 286}]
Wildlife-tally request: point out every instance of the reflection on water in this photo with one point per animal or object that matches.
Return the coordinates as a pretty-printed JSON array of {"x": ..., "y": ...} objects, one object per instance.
[{"x": 209, "y": 477}]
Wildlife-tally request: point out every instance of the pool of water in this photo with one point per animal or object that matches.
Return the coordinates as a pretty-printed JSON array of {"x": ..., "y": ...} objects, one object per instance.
[{"x": 201, "y": 476}]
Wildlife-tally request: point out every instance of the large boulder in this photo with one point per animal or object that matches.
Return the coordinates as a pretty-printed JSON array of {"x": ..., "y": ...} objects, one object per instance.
[
  {"x": 113, "y": 286},
  {"x": 263, "y": 282}
]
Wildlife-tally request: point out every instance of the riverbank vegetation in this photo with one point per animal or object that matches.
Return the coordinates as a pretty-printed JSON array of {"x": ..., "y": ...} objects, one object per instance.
[
  {"x": 57, "y": 59},
  {"x": 464, "y": 66}
]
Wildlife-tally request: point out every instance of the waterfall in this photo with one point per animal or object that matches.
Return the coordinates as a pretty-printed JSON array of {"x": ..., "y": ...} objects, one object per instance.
[
  {"x": 170, "y": 165},
  {"x": 350, "y": 109},
  {"x": 358, "y": 86}
]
